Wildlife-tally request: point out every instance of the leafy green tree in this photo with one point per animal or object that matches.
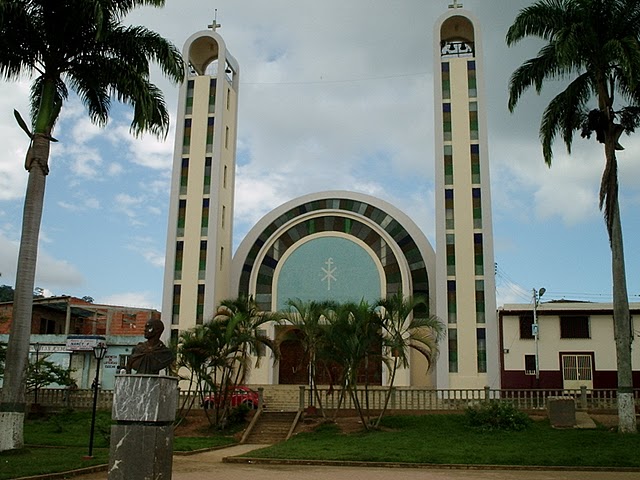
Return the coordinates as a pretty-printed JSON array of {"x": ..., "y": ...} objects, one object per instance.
[
  {"x": 78, "y": 45},
  {"x": 6, "y": 293},
  {"x": 405, "y": 327},
  {"x": 43, "y": 373},
  {"x": 594, "y": 45}
]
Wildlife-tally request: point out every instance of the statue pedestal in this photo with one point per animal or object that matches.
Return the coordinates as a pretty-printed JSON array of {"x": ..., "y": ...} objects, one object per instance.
[{"x": 144, "y": 407}]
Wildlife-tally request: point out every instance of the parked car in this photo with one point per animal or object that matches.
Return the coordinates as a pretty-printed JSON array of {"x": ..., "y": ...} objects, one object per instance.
[{"x": 240, "y": 395}]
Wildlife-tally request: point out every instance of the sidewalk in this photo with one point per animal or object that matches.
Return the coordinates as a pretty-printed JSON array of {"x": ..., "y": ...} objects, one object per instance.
[{"x": 209, "y": 466}]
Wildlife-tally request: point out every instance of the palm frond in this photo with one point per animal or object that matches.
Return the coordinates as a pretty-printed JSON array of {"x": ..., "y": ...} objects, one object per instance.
[
  {"x": 542, "y": 19},
  {"x": 564, "y": 115}
]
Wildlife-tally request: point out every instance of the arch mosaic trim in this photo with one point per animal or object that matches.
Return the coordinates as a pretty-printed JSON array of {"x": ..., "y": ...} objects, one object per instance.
[{"x": 334, "y": 221}]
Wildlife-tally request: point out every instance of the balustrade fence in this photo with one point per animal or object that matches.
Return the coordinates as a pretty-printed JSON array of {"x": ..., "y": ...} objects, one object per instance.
[
  {"x": 401, "y": 398},
  {"x": 406, "y": 398}
]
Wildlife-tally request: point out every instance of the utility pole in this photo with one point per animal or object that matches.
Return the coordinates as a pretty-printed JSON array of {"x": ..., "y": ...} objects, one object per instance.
[{"x": 535, "y": 329}]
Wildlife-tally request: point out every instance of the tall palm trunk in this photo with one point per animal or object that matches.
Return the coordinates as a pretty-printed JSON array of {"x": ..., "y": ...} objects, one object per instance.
[
  {"x": 313, "y": 381},
  {"x": 622, "y": 328},
  {"x": 12, "y": 403},
  {"x": 621, "y": 315},
  {"x": 387, "y": 397}
]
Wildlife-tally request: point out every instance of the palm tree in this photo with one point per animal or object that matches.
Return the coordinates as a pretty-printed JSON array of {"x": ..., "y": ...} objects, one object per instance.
[
  {"x": 594, "y": 45},
  {"x": 77, "y": 45},
  {"x": 353, "y": 343},
  {"x": 310, "y": 320},
  {"x": 210, "y": 357},
  {"x": 405, "y": 327},
  {"x": 194, "y": 350},
  {"x": 246, "y": 326}
]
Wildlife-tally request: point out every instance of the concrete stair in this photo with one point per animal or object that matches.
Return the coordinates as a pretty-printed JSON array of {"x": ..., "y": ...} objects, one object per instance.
[{"x": 271, "y": 427}]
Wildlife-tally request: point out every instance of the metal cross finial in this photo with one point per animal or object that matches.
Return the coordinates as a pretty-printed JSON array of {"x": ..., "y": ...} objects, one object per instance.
[
  {"x": 455, "y": 4},
  {"x": 215, "y": 23}
]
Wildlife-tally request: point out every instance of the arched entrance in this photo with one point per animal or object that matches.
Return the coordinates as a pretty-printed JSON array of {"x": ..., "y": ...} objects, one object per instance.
[
  {"x": 340, "y": 246},
  {"x": 293, "y": 367}
]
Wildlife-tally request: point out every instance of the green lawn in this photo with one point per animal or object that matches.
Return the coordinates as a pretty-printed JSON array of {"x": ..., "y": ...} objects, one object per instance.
[
  {"x": 59, "y": 443},
  {"x": 447, "y": 439},
  {"x": 41, "y": 460}
]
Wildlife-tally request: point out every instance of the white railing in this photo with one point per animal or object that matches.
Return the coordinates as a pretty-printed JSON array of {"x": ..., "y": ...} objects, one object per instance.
[
  {"x": 402, "y": 398},
  {"x": 418, "y": 399}
]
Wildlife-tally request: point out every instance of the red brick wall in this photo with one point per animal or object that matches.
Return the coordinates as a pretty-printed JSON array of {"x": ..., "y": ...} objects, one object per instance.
[
  {"x": 124, "y": 321},
  {"x": 128, "y": 323},
  {"x": 5, "y": 318}
]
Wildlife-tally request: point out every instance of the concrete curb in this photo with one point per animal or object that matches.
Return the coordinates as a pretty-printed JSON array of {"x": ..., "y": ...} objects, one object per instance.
[
  {"x": 433, "y": 466},
  {"x": 104, "y": 467},
  {"x": 67, "y": 474},
  {"x": 187, "y": 453}
]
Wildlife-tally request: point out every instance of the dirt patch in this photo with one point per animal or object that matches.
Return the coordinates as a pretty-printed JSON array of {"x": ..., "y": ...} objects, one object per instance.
[
  {"x": 609, "y": 421},
  {"x": 193, "y": 425},
  {"x": 345, "y": 424},
  {"x": 197, "y": 425}
]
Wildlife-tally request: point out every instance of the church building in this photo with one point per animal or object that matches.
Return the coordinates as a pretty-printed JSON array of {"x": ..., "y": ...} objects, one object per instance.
[{"x": 339, "y": 245}]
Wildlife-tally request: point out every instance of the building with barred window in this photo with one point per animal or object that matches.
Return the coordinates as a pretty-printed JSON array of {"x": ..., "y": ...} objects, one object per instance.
[{"x": 574, "y": 346}]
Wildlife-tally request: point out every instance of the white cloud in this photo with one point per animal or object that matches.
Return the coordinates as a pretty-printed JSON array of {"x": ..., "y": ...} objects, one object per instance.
[
  {"x": 84, "y": 130},
  {"x": 87, "y": 162},
  {"x": 13, "y": 176},
  {"x": 128, "y": 204},
  {"x": 147, "y": 247},
  {"x": 525, "y": 187},
  {"x": 147, "y": 150},
  {"x": 115, "y": 169},
  {"x": 337, "y": 95},
  {"x": 258, "y": 194},
  {"x": 130, "y": 299},
  {"x": 52, "y": 274},
  {"x": 82, "y": 204}
]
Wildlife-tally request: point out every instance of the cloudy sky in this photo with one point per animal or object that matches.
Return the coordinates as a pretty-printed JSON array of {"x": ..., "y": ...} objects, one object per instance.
[{"x": 333, "y": 95}]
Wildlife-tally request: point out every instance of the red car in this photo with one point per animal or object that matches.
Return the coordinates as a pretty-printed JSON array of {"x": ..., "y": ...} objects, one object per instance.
[{"x": 240, "y": 395}]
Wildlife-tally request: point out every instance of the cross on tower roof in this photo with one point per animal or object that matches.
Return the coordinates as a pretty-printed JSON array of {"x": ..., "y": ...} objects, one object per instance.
[
  {"x": 215, "y": 23},
  {"x": 455, "y": 4}
]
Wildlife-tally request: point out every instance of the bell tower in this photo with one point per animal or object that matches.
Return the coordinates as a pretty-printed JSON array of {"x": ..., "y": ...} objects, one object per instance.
[
  {"x": 464, "y": 234},
  {"x": 199, "y": 239}
]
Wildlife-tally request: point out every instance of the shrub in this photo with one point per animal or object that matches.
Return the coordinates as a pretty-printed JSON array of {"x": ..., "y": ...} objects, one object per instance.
[
  {"x": 497, "y": 416},
  {"x": 238, "y": 415}
]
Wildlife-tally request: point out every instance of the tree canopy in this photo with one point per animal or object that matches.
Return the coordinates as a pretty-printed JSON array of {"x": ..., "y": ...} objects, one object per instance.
[
  {"x": 65, "y": 46},
  {"x": 594, "y": 46}
]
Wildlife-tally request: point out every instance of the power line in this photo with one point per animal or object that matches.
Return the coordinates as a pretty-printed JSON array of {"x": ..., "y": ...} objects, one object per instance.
[
  {"x": 511, "y": 285},
  {"x": 349, "y": 80}
]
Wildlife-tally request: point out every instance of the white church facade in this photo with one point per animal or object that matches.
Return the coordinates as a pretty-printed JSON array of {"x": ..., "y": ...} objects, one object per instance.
[{"x": 339, "y": 245}]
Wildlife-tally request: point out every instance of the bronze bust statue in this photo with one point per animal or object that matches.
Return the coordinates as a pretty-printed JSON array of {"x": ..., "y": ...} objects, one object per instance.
[{"x": 151, "y": 356}]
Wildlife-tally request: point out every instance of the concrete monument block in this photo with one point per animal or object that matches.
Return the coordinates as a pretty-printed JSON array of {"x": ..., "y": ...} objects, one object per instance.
[
  {"x": 142, "y": 452},
  {"x": 562, "y": 411},
  {"x": 144, "y": 407},
  {"x": 145, "y": 398}
]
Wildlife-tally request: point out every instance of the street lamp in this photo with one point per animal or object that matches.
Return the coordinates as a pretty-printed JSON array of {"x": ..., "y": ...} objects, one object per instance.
[
  {"x": 99, "y": 352},
  {"x": 535, "y": 330},
  {"x": 36, "y": 348}
]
